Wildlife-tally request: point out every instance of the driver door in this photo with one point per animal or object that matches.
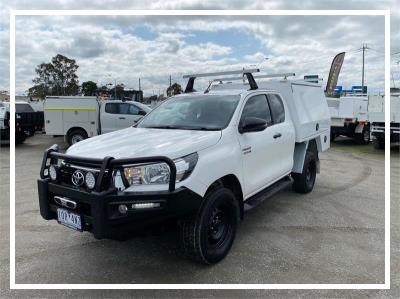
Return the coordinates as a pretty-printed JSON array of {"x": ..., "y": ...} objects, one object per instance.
[{"x": 260, "y": 163}]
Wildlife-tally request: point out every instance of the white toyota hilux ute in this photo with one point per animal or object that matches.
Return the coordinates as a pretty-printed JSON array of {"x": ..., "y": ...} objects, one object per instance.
[{"x": 200, "y": 159}]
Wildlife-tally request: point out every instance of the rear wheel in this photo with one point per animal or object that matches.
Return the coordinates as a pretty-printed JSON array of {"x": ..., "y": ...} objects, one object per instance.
[
  {"x": 364, "y": 137},
  {"x": 379, "y": 143},
  {"x": 304, "y": 182},
  {"x": 333, "y": 136},
  {"x": 76, "y": 136},
  {"x": 208, "y": 237},
  {"x": 31, "y": 132},
  {"x": 20, "y": 137}
]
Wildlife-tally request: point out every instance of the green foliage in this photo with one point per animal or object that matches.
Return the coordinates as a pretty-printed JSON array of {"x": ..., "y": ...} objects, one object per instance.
[
  {"x": 118, "y": 91},
  {"x": 89, "y": 88},
  {"x": 56, "y": 78},
  {"x": 174, "y": 89}
]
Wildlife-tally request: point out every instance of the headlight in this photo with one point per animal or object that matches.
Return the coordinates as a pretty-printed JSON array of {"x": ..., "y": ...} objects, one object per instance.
[
  {"x": 159, "y": 173},
  {"x": 90, "y": 180},
  {"x": 185, "y": 166},
  {"x": 53, "y": 172},
  {"x": 147, "y": 174}
]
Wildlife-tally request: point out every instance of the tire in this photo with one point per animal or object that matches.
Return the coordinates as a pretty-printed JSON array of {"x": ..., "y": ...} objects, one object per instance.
[
  {"x": 20, "y": 137},
  {"x": 333, "y": 136},
  {"x": 75, "y": 136},
  {"x": 304, "y": 182},
  {"x": 364, "y": 137},
  {"x": 208, "y": 237},
  {"x": 379, "y": 143},
  {"x": 31, "y": 132}
]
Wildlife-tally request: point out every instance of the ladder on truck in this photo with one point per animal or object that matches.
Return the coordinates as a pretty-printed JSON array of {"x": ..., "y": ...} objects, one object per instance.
[{"x": 246, "y": 74}]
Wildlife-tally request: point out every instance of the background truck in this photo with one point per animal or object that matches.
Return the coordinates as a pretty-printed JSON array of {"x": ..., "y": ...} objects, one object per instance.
[
  {"x": 4, "y": 121},
  {"x": 80, "y": 117},
  {"x": 377, "y": 119},
  {"x": 27, "y": 121},
  {"x": 349, "y": 117}
]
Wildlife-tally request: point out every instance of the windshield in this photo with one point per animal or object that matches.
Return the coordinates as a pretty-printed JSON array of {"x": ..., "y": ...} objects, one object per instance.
[
  {"x": 147, "y": 109},
  {"x": 20, "y": 108},
  {"x": 206, "y": 112}
]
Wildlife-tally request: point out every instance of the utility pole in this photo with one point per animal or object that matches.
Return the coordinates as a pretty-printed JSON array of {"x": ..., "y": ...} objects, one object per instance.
[
  {"x": 398, "y": 73},
  {"x": 364, "y": 47},
  {"x": 170, "y": 84},
  {"x": 115, "y": 89},
  {"x": 139, "y": 84}
]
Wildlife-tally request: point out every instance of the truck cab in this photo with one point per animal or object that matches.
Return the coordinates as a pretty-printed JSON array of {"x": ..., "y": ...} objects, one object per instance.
[
  {"x": 116, "y": 115},
  {"x": 80, "y": 117},
  {"x": 200, "y": 160}
]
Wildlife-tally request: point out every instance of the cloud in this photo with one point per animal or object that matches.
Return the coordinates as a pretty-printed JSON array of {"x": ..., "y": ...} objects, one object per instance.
[{"x": 108, "y": 47}]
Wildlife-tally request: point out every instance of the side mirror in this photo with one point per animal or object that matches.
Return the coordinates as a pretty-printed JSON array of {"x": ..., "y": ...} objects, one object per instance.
[
  {"x": 252, "y": 124},
  {"x": 142, "y": 112}
]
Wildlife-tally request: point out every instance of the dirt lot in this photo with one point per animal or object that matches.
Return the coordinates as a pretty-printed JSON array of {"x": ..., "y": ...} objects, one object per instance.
[{"x": 333, "y": 235}]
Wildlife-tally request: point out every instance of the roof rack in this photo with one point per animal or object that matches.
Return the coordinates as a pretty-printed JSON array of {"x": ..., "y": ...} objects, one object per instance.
[
  {"x": 284, "y": 75},
  {"x": 245, "y": 72}
]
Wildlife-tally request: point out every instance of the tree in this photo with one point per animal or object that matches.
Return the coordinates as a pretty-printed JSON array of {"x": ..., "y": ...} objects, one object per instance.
[
  {"x": 56, "y": 78},
  {"x": 174, "y": 89},
  {"x": 118, "y": 91},
  {"x": 89, "y": 88},
  {"x": 39, "y": 91}
]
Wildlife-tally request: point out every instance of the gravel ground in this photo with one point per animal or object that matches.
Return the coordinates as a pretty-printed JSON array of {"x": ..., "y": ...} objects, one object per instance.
[{"x": 333, "y": 235}]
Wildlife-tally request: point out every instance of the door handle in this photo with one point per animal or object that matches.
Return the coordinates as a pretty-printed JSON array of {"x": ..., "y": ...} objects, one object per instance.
[
  {"x": 121, "y": 117},
  {"x": 277, "y": 135}
]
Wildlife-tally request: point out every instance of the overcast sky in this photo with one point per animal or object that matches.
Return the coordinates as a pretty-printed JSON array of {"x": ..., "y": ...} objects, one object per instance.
[{"x": 152, "y": 48}]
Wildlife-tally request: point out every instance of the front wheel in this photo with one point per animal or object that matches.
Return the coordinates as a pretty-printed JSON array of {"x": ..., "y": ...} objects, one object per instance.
[
  {"x": 208, "y": 237},
  {"x": 304, "y": 182}
]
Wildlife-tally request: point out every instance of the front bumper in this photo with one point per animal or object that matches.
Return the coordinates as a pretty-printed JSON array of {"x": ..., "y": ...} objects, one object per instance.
[
  {"x": 99, "y": 210},
  {"x": 378, "y": 131}
]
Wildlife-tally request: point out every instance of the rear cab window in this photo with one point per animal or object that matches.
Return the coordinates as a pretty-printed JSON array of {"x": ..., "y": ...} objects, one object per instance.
[
  {"x": 122, "y": 108},
  {"x": 112, "y": 108},
  {"x": 277, "y": 108},
  {"x": 257, "y": 106}
]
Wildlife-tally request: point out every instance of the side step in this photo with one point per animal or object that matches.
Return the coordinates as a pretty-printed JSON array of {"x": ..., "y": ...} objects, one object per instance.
[{"x": 258, "y": 198}]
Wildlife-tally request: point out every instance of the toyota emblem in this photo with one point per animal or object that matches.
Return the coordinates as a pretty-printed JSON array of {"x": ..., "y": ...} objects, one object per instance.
[{"x": 78, "y": 178}]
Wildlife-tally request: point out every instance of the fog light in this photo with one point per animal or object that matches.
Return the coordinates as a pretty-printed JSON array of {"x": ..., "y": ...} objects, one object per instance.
[
  {"x": 53, "y": 172},
  {"x": 90, "y": 180},
  {"x": 122, "y": 209},
  {"x": 146, "y": 205}
]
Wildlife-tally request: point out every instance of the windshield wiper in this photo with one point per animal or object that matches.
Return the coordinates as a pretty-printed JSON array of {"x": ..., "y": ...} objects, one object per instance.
[
  {"x": 162, "y": 127},
  {"x": 184, "y": 128},
  {"x": 204, "y": 129}
]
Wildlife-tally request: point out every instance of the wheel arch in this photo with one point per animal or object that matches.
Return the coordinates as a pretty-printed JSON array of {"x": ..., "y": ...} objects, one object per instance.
[
  {"x": 232, "y": 183},
  {"x": 76, "y": 128},
  {"x": 300, "y": 153}
]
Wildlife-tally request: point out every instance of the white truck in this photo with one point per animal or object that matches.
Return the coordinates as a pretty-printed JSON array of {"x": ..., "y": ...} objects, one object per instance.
[
  {"x": 200, "y": 159},
  {"x": 80, "y": 117},
  {"x": 377, "y": 119},
  {"x": 4, "y": 121},
  {"x": 349, "y": 117}
]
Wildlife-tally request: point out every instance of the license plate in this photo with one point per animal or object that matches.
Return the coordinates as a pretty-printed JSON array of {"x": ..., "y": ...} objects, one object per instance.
[{"x": 69, "y": 219}]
